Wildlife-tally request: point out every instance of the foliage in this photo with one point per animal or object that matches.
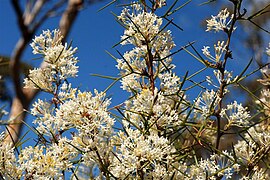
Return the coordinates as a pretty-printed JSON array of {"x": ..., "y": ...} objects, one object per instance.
[{"x": 163, "y": 133}]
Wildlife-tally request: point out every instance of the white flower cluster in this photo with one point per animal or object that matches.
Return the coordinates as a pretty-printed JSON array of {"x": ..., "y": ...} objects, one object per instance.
[
  {"x": 151, "y": 47},
  {"x": 227, "y": 78},
  {"x": 220, "y": 48},
  {"x": 140, "y": 25},
  {"x": 220, "y": 22},
  {"x": 207, "y": 103},
  {"x": 158, "y": 111},
  {"x": 218, "y": 165},
  {"x": 256, "y": 175},
  {"x": 141, "y": 152},
  {"x": 80, "y": 110},
  {"x": 169, "y": 83},
  {"x": 255, "y": 144},
  {"x": 264, "y": 101},
  {"x": 60, "y": 62},
  {"x": 77, "y": 124},
  {"x": 143, "y": 156},
  {"x": 8, "y": 164},
  {"x": 42, "y": 162},
  {"x": 236, "y": 115},
  {"x": 254, "y": 148}
]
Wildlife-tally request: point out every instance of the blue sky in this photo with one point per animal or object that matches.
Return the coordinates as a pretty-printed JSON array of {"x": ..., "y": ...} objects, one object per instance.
[{"x": 96, "y": 32}]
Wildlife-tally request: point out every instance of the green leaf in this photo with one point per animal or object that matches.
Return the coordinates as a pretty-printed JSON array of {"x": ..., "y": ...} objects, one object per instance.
[{"x": 107, "y": 5}]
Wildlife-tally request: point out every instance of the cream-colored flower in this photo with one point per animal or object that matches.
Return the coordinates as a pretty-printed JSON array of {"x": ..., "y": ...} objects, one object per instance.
[{"x": 220, "y": 22}]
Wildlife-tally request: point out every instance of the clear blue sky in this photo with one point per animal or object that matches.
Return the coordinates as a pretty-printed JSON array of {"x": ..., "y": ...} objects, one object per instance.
[{"x": 94, "y": 32}]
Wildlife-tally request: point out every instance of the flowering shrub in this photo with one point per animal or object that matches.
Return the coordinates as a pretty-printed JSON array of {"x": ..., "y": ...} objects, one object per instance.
[{"x": 164, "y": 134}]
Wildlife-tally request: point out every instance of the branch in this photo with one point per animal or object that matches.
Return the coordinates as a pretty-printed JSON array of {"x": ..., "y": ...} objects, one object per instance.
[
  {"x": 69, "y": 17},
  {"x": 19, "y": 14},
  {"x": 23, "y": 97},
  {"x": 31, "y": 15}
]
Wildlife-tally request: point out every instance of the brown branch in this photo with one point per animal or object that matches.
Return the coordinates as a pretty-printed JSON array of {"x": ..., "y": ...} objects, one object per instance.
[
  {"x": 149, "y": 62},
  {"x": 23, "y": 97},
  {"x": 222, "y": 71},
  {"x": 49, "y": 13},
  {"x": 31, "y": 15},
  {"x": 19, "y": 14},
  {"x": 69, "y": 17}
]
